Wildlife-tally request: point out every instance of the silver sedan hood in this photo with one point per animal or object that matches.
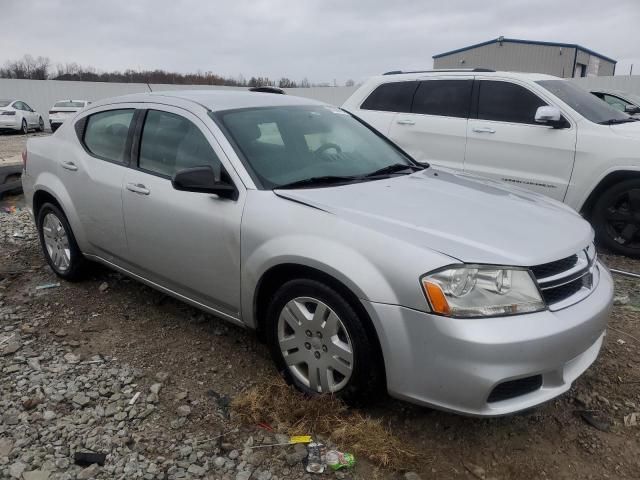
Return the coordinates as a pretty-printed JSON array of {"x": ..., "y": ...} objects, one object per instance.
[{"x": 464, "y": 217}]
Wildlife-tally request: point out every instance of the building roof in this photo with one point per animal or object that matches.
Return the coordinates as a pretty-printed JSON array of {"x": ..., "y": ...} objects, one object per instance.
[{"x": 530, "y": 42}]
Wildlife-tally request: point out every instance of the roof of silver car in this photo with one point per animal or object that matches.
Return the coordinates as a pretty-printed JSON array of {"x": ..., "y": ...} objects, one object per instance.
[{"x": 213, "y": 99}]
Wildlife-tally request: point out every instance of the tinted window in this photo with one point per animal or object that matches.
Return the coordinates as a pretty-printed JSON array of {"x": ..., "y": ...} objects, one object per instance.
[
  {"x": 582, "y": 101},
  {"x": 18, "y": 106},
  {"x": 449, "y": 98},
  {"x": 507, "y": 102},
  {"x": 26, "y": 107},
  {"x": 391, "y": 97},
  {"x": 171, "y": 143},
  {"x": 106, "y": 134}
]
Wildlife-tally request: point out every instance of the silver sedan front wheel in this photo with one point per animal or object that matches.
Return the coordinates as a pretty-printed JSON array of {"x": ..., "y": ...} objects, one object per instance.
[{"x": 315, "y": 345}]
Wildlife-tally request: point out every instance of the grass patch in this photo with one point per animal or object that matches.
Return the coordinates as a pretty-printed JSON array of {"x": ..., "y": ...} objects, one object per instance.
[{"x": 294, "y": 413}]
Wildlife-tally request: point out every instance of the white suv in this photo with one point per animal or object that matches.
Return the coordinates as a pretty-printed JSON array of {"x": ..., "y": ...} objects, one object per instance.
[{"x": 536, "y": 131}]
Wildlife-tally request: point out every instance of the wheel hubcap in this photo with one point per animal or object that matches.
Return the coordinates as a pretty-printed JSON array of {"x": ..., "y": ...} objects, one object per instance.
[
  {"x": 315, "y": 345},
  {"x": 56, "y": 242},
  {"x": 623, "y": 219}
]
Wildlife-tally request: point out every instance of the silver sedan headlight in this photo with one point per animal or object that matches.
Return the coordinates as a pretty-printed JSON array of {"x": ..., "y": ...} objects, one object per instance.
[{"x": 469, "y": 291}]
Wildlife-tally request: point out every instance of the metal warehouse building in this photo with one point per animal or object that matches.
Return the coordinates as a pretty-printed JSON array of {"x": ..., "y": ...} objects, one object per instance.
[{"x": 559, "y": 59}]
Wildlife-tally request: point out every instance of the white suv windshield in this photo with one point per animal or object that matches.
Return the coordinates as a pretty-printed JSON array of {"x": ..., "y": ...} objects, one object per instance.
[
  {"x": 587, "y": 105},
  {"x": 312, "y": 144}
]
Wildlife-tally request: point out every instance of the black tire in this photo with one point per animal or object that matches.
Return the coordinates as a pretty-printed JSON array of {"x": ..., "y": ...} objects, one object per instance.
[
  {"x": 54, "y": 127},
  {"x": 25, "y": 127},
  {"x": 366, "y": 381},
  {"x": 41, "y": 125},
  {"x": 77, "y": 263},
  {"x": 616, "y": 218}
]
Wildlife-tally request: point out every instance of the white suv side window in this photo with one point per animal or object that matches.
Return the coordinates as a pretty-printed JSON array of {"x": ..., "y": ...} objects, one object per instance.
[
  {"x": 391, "y": 97},
  {"x": 507, "y": 102},
  {"x": 447, "y": 98}
]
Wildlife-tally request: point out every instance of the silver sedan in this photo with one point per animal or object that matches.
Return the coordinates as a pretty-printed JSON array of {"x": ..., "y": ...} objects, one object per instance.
[{"x": 362, "y": 269}]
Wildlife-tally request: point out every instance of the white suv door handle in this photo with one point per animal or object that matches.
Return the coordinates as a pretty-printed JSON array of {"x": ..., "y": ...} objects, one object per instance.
[
  {"x": 406, "y": 122},
  {"x": 69, "y": 166},
  {"x": 484, "y": 130},
  {"x": 138, "y": 188}
]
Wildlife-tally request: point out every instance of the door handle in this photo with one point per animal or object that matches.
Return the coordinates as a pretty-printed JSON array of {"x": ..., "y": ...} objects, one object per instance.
[
  {"x": 484, "y": 130},
  {"x": 138, "y": 188},
  {"x": 406, "y": 122},
  {"x": 69, "y": 166}
]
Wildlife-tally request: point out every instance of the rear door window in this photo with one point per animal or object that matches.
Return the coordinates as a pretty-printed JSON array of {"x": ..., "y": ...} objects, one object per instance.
[
  {"x": 106, "y": 134},
  {"x": 447, "y": 98},
  {"x": 171, "y": 143},
  {"x": 391, "y": 97},
  {"x": 507, "y": 102}
]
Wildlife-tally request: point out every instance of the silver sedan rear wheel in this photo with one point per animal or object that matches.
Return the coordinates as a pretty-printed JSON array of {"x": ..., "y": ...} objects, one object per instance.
[
  {"x": 315, "y": 345},
  {"x": 56, "y": 242}
]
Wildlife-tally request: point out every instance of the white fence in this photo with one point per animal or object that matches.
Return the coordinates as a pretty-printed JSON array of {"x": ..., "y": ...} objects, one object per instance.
[
  {"x": 625, "y": 84},
  {"x": 42, "y": 94}
]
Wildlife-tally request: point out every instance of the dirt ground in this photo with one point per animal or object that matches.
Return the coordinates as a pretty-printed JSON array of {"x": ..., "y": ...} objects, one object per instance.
[{"x": 214, "y": 362}]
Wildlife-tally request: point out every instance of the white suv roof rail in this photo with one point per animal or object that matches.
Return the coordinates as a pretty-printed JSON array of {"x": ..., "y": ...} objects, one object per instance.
[{"x": 399, "y": 72}]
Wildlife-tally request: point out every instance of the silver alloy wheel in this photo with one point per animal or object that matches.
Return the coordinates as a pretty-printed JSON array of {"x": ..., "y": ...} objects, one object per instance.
[
  {"x": 56, "y": 242},
  {"x": 315, "y": 345}
]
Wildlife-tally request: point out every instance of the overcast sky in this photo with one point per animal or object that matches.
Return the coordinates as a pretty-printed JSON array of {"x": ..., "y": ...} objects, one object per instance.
[{"x": 322, "y": 40}]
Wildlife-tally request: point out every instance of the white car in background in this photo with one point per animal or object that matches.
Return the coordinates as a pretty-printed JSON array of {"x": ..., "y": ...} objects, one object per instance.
[
  {"x": 535, "y": 131},
  {"x": 64, "y": 109},
  {"x": 17, "y": 115}
]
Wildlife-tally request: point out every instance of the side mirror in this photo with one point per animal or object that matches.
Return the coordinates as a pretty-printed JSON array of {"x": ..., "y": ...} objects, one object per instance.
[
  {"x": 631, "y": 109},
  {"x": 550, "y": 116},
  {"x": 203, "y": 180}
]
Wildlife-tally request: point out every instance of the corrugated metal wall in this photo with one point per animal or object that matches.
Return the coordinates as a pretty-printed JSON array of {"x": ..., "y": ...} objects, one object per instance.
[
  {"x": 522, "y": 57},
  {"x": 516, "y": 57},
  {"x": 42, "y": 94}
]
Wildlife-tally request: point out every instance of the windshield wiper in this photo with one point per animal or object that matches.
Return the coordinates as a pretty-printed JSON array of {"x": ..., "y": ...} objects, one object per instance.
[
  {"x": 615, "y": 121},
  {"x": 323, "y": 180},
  {"x": 337, "y": 179},
  {"x": 394, "y": 168}
]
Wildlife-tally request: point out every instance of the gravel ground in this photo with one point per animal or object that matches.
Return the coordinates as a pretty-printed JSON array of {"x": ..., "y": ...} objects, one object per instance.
[{"x": 111, "y": 366}]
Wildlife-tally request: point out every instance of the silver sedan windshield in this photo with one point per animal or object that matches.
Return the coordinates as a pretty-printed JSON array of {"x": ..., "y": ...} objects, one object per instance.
[{"x": 290, "y": 144}]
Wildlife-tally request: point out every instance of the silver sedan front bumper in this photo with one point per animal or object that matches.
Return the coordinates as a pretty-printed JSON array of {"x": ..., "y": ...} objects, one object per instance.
[{"x": 455, "y": 364}]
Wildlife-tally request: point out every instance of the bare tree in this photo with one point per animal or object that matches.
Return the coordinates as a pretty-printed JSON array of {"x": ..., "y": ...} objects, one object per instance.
[
  {"x": 39, "y": 68},
  {"x": 26, "y": 67},
  {"x": 286, "y": 83}
]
